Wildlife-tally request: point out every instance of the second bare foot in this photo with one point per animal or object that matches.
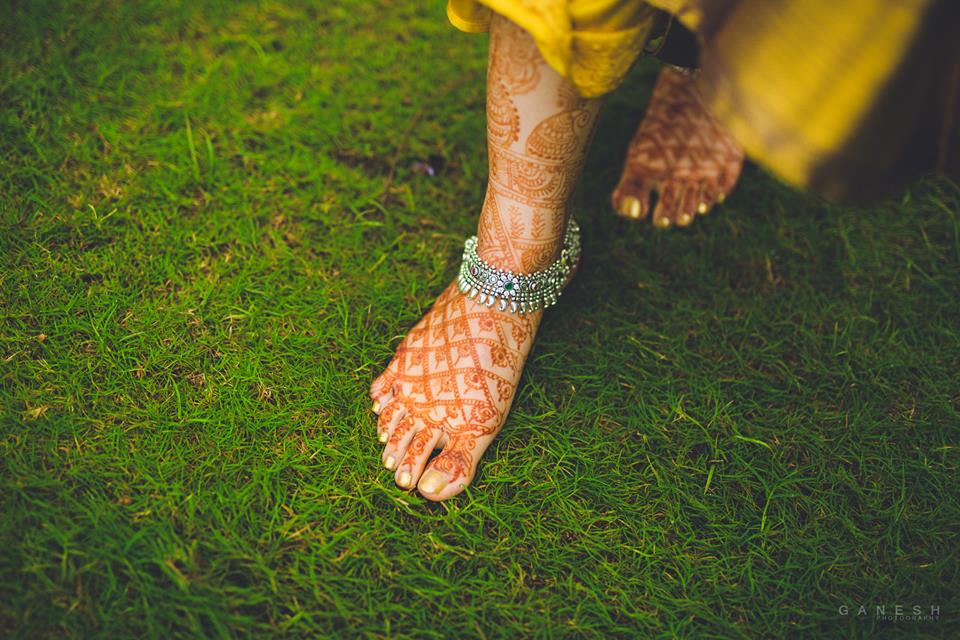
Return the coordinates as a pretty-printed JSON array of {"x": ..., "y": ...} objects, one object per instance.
[{"x": 679, "y": 151}]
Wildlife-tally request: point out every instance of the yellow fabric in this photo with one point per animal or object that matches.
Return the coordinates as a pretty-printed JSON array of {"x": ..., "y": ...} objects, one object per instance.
[
  {"x": 791, "y": 80},
  {"x": 689, "y": 14},
  {"x": 848, "y": 97},
  {"x": 591, "y": 42}
]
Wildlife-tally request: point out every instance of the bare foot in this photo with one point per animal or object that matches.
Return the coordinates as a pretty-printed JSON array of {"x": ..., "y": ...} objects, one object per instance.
[
  {"x": 453, "y": 378},
  {"x": 450, "y": 386},
  {"x": 679, "y": 151}
]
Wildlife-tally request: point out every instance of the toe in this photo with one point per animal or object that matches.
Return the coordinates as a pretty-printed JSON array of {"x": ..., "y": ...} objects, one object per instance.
[
  {"x": 389, "y": 418},
  {"x": 416, "y": 456},
  {"x": 665, "y": 213},
  {"x": 711, "y": 195},
  {"x": 687, "y": 205},
  {"x": 728, "y": 180},
  {"x": 382, "y": 402},
  {"x": 383, "y": 395},
  {"x": 704, "y": 200},
  {"x": 450, "y": 472},
  {"x": 631, "y": 200},
  {"x": 398, "y": 440},
  {"x": 382, "y": 385},
  {"x": 381, "y": 391}
]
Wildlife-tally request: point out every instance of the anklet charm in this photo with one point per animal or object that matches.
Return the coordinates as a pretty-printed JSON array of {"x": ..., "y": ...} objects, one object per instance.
[{"x": 518, "y": 292}]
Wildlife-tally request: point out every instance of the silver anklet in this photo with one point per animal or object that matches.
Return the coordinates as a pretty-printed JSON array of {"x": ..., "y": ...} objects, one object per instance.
[{"x": 520, "y": 292}]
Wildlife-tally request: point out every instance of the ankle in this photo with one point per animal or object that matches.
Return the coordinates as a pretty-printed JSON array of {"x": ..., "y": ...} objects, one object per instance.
[
  {"x": 520, "y": 260},
  {"x": 523, "y": 241}
]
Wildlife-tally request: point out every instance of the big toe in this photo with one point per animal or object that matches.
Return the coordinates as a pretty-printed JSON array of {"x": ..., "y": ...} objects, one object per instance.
[
  {"x": 448, "y": 474},
  {"x": 631, "y": 199}
]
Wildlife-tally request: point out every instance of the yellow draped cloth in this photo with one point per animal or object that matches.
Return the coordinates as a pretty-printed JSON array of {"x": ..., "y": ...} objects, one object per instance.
[{"x": 850, "y": 98}]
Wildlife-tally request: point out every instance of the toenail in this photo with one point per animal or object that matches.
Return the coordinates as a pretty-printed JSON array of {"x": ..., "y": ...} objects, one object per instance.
[
  {"x": 404, "y": 479},
  {"x": 702, "y": 208},
  {"x": 432, "y": 482},
  {"x": 376, "y": 406},
  {"x": 722, "y": 197},
  {"x": 663, "y": 223},
  {"x": 383, "y": 436},
  {"x": 634, "y": 208},
  {"x": 684, "y": 218},
  {"x": 389, "y": 463}
]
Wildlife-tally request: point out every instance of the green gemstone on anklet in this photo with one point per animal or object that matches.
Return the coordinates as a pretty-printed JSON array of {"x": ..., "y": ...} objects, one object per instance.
[{"x": 523, "y": 292}]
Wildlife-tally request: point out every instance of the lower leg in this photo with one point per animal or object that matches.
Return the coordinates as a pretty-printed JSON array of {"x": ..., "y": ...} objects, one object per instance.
[
  {"x": 454, "y": 376},
  {"x": 538, "y": 129}
]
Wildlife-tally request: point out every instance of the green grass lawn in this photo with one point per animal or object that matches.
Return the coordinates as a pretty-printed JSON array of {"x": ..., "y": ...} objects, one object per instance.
[{"x": 212, "y": 236}]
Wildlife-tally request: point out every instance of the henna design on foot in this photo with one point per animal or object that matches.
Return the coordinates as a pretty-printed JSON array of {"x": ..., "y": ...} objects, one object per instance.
[
  {"x": 453, "y": 378},
  {"x": 680, "y": 151},
  {"x": 457, "y": 373}
]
